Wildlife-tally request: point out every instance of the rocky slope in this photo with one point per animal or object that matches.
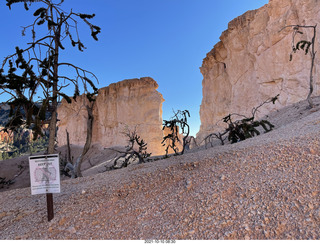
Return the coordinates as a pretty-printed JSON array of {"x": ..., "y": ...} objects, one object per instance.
[
  {"x": 251, "y": 62},
  {"x": 126, "y": 105},
  {"x": 263, "y": 188}
]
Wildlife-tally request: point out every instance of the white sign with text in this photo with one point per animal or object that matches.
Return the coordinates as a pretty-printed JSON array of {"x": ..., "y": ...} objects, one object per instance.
[{"x": 44, "y": 174}]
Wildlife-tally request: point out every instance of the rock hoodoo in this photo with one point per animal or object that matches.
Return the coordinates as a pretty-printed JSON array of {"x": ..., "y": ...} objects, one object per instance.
[
  {"x": 129, "y": 104},
  {"x": 251, "y": 62}
]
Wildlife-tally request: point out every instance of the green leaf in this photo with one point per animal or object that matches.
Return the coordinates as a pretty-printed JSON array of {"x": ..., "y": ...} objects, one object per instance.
[
  {"x": 308, "y": 47},
  {"x": 80, "y": 46},
  {"x": 39, "y": 11},
  {"x": 96, "y": 27},
  {"x": 91, "y": 97},
  {"x": 26, "y": 6},
  {"x": 94, "y": 35},
  {"x": 86, "y": 16},
  {"x": 40, "y": 22},
  {"x": 274, "y": 99},
  {"x": 90, "y": 83},
  {"x": 51, "y": 23}
]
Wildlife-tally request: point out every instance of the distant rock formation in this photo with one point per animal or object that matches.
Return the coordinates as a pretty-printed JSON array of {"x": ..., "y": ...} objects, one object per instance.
[
  {"x": 6, "y": 137},
  {"x": 126, "y": 105},
  {"x": 251, "y": 62}
]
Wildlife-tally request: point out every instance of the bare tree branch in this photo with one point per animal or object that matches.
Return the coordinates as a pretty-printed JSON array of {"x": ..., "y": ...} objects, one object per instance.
[{"x": 302, "y": 45}]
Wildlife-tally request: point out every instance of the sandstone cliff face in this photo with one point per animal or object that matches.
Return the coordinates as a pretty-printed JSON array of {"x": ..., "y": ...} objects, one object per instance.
[
  {"x": 129, "y": 104},
  {"x": 5, "y": 137},
  {"x": 251, "y": 62}
]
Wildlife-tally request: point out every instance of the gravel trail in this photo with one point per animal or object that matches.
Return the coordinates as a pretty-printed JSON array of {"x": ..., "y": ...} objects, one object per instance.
[{"x": 263, "y": 188}]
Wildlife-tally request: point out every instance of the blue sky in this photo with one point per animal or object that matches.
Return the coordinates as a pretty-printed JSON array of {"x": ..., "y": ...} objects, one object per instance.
[{"x": 164, "y": 39}]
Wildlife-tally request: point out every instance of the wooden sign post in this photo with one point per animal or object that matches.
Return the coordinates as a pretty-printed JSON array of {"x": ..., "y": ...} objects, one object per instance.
[
  {"x": 45, "y": 178},
  {"x": 50, "y": 206}
]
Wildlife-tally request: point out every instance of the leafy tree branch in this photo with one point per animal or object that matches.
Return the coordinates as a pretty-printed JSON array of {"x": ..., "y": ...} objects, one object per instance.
[
  {"x": 131, "y": 154},
  {"x": 179, "y": 120},
  {"x": 242, "y": 129},
  {"x": 38, "y": 66}
]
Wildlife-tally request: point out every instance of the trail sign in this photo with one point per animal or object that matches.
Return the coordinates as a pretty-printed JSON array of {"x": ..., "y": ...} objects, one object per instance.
[
  {"x": 45, "y": 178},
  {"x": 44, "y": 174}
]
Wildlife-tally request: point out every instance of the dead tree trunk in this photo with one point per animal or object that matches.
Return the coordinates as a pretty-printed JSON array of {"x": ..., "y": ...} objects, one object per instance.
[
  {"x": 305, "y": 45},
  {"x": 68, "y": 148},
  {"x": 313, "y": 55},
  {"x": 75, "y": 169},
  {"x": 88, "y": 139}
]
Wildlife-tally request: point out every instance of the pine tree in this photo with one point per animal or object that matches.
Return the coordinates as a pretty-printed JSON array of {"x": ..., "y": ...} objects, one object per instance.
[{"x": 41, "y": 70}]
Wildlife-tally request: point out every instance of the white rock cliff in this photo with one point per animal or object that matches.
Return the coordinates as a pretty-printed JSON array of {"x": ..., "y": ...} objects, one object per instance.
[
  {"x": 129, "y": 104},
  {"x": 251, "y": 62}
]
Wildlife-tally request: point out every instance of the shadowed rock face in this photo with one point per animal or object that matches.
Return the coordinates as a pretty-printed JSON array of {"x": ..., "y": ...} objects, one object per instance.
[
  {"x": 128, "y": 104},
  {"x": 251, "y": 62}
]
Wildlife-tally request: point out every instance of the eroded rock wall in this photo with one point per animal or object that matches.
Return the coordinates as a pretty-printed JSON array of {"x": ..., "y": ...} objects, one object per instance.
[
  {"x": 251, "y": 62},
  {"x": 126, "y": 105}
]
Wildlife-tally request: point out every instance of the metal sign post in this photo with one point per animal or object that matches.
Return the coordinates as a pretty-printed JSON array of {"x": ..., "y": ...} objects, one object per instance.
[{"x": 45, "y": 178}]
